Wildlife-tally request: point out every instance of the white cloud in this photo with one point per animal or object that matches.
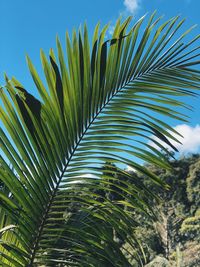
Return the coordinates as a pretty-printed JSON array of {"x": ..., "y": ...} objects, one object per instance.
[
  {"x": 130, "y": 169},
  {"x": 132, "y": 5},
  {"x": 111, "y": 29},
  {"x": 190, "y": 140}
]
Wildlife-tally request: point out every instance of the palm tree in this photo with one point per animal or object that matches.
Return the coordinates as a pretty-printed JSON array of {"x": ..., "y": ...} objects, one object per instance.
[{"x": 102, "y": 104}]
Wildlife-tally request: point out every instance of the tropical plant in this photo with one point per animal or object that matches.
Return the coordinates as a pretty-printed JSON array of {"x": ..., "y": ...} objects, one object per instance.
[{"x": 100, "y": 105}]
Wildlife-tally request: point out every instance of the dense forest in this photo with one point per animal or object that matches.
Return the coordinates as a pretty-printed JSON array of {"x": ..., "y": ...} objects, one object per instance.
[{"x": 174, "y": 239}]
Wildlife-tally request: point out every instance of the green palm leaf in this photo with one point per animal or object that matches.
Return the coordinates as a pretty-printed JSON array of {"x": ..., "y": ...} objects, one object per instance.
[{"x": 99, "y": 105}]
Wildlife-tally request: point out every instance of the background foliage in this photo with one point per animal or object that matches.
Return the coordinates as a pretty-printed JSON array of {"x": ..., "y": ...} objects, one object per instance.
[{"x": 174, "y": 239}]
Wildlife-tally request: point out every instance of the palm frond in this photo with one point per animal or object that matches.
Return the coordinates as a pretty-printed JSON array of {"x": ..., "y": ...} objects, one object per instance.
[{"x": 100, "y": 105}]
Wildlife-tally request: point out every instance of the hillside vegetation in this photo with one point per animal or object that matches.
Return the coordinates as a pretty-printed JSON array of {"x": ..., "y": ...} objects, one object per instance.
[{"x": 174, "y": 240}]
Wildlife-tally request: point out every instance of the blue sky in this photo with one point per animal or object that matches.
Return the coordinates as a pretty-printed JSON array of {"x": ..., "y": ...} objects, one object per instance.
[{"x": 27, "y": 26}]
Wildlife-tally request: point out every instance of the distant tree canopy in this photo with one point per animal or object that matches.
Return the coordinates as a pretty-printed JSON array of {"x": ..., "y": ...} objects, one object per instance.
[{"x": 176, "y": 235}]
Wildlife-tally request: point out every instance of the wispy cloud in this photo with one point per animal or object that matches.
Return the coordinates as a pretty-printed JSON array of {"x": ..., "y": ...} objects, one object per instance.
[
  {"x": 190, "y": 140},
  {"x": 111, "y": 30},
  {"x": 132, "y": 5}
]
